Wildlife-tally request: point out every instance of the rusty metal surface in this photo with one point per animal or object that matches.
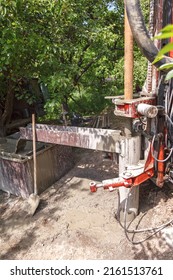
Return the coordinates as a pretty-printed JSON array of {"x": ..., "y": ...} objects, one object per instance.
[
  {"x": 16, "y": 170},
  {"x": 127, "y": 108},
  {"x": 15, "y": 177},
  {"x": 90, "y": 138}
]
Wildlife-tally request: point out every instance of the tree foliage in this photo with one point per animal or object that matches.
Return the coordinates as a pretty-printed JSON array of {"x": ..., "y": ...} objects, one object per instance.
[
  {"x": 166, "y": 33},
  {"x": 75, "y": 47}
]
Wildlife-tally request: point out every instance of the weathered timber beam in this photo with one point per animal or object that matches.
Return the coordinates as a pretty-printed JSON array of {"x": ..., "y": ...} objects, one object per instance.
[{"x": 88, "y": 138}]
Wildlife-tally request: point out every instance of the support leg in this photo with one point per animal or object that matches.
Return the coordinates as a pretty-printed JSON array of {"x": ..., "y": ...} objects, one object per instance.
[{"x": 130, "y": 154}]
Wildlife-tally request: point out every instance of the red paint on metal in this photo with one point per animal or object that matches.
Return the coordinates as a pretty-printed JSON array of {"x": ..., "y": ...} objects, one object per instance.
[
  {"x": 122, "y": 182},
  {"x": 171, "y": 40},
  {"x": 128, "y": 182},
  {"x": 128, "y": 108},
  {"x": 160, "y": 166},
  {"x": 171, "y": 52},
  {"x": 111, "y": 183},
  {"x": 143, "y": 177},
  {"x": 150, "y": 160}
]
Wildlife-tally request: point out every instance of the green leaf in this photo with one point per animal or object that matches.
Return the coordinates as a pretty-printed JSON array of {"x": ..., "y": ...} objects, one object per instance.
[
  {"x": 166, "y": 66},
  {"x": 164, "y": 35},
  {"x": 169, "y": 75},
  {"x": 166, "y": 49},
  {"x": 167, "y": 28},
  {"x": 158, "y": 58}
]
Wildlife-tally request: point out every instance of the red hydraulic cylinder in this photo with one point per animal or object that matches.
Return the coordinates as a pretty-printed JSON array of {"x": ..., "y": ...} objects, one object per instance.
[
  {"x": 111, "y": 184},
  {"x": 160, "y": 167}
]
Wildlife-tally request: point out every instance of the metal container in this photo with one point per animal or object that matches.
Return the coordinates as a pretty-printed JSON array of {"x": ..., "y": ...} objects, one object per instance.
[{"x": 16, "y": 170}]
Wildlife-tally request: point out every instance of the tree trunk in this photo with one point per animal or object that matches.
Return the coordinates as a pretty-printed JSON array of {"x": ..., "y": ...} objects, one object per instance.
[
  {"x": 2, "y": 130},
  {"x": 5, "y": 116}
]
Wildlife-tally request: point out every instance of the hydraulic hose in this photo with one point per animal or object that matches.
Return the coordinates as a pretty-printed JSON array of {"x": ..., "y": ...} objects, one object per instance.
[{"x": 141, "y": 34}]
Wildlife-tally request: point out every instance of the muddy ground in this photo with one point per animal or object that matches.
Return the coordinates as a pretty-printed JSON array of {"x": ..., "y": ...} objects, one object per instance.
[{"x": 72, "y": 223}]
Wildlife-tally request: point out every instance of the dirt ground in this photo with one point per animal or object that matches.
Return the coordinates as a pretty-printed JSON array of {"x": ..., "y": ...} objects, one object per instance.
[{"x": 73, "y": 223}]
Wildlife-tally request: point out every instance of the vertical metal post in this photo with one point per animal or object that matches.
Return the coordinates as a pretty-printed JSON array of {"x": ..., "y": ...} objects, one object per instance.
[
  {"x": 130, "y": 155},
  {"x": 128, "y": 60},
  {"x": 130, "y": 147}
]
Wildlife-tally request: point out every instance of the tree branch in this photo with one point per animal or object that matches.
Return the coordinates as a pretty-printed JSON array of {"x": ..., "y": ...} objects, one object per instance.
[{"x": 84, "y": 70}]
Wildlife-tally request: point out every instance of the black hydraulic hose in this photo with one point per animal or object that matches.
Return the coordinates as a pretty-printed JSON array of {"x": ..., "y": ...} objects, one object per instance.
[
  {"x": 141, "y": 34},
  {"x": 153, "y": 230}
]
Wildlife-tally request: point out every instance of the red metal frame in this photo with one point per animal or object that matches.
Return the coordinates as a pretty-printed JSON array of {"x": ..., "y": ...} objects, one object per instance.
[
  {"x": 122, "y": 182},
  {"x": 161, "y": 166},
  {"x": 128, "y": 182},
  {"x": 127, "y": 108}
]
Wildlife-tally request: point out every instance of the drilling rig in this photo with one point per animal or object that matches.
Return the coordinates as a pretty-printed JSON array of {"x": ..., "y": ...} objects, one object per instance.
[
  {"x": 146, "y": 151},
  {"x": 145, "y": 145}
]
